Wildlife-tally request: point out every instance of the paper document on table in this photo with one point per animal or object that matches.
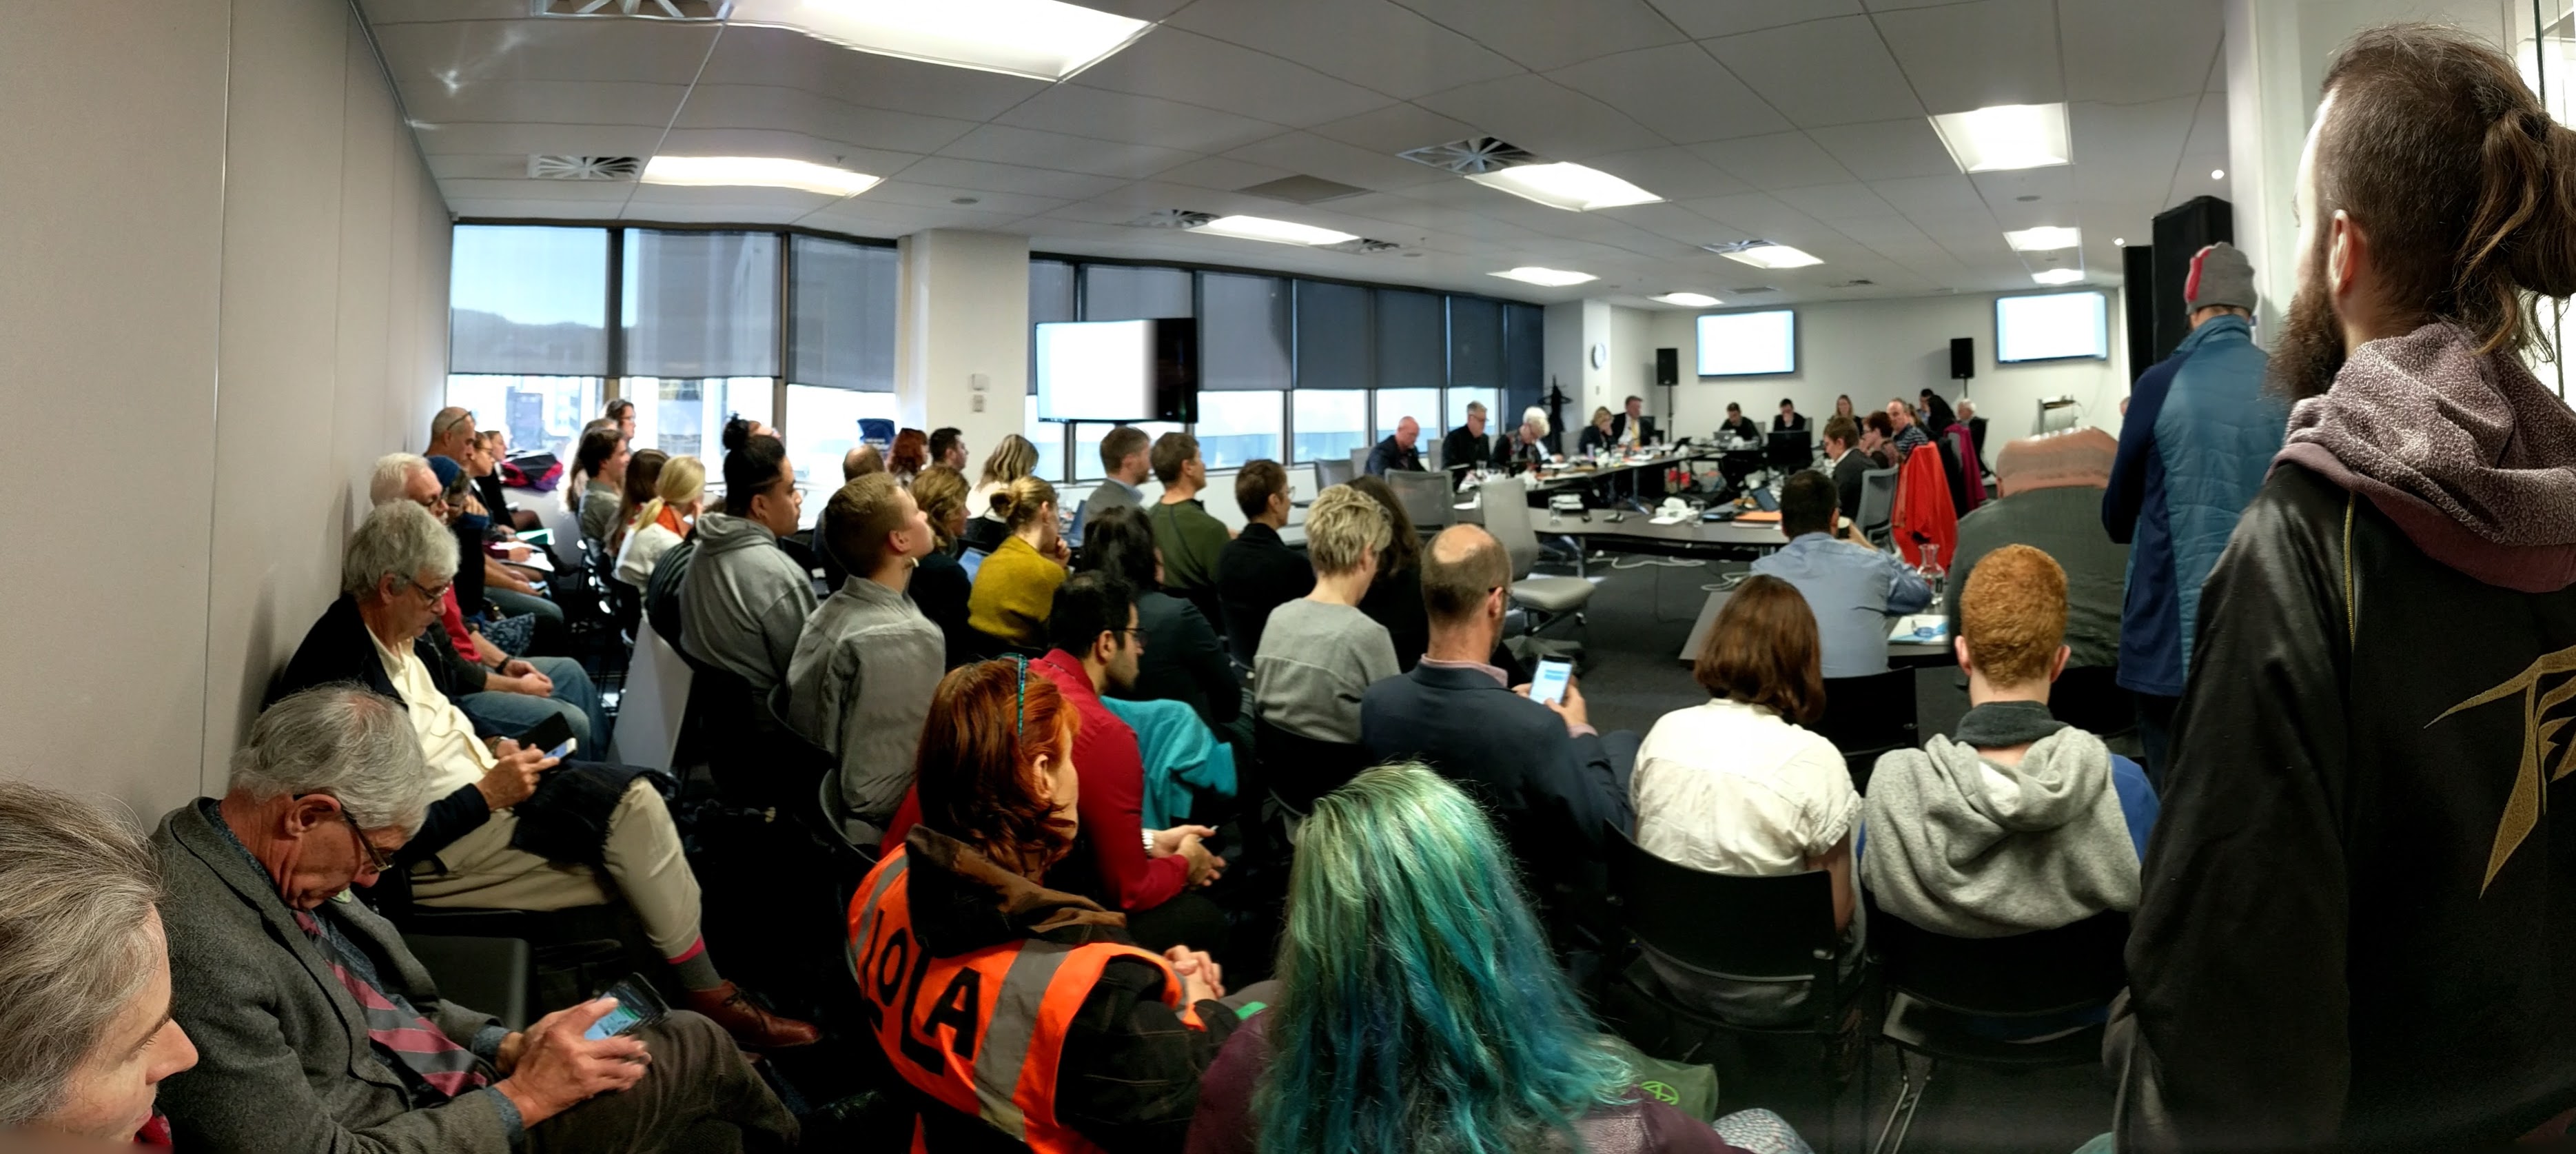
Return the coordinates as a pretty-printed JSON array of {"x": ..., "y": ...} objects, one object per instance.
[
  {"x": 536, "y": 559},
  {"x": 1920, "y": 629},
  {"x": 1673, "y": 518}
]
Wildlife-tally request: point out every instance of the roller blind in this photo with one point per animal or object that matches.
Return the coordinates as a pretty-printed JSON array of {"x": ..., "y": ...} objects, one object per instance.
[
  {"x": 1114, "y": 292},
  {"x": 1335, "y": 337},
  {"x": 1475, "y": 342},
  {"x": 844, "y": 335},
  {"x": 701, "y": 304},
  {"x": 1243, "y": 332},
  {"x": 528, "y": 301},
  {"x": 1412, "y": 331}
]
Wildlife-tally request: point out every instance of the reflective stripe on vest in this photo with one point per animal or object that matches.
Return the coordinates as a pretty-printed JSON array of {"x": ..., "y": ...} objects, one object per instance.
[{"x": 983, "y": 1032}]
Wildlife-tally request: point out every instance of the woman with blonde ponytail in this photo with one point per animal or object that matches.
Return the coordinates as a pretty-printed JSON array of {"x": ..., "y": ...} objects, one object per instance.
[{"x": 678, "y": 497}]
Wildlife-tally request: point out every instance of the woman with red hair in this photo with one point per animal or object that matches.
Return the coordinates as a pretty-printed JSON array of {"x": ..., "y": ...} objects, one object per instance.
[
  {"x": 909, "y": 456},
  {"x": 1008, "y": 1006}
]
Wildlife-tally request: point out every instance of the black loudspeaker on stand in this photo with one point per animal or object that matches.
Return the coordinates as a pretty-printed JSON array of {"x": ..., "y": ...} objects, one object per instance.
[
  {"x": 1963, "y": 358},
  {"x": 1668, "y": 366}
]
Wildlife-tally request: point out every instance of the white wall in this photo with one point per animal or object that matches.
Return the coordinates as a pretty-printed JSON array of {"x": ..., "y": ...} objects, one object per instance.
[
  {"x": 1878, "y": 350},
  {"x": 962, "y": 308},
  {"x": 222, "y": 294}
]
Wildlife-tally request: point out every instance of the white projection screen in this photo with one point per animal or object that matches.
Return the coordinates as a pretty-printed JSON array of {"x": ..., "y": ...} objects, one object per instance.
[
  {"x": 2052, "y": 327},
  {"x": 1096, "y": 371},
  {"x": 1748, "y": 344}
]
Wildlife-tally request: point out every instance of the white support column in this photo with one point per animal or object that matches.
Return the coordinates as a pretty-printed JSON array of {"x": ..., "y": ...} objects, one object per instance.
[{"x": 962, "y": 318}]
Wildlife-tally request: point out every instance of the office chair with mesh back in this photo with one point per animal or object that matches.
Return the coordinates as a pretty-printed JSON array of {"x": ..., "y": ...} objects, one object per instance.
[
  {"x": 1507, "y": 517},
  {"x": 1330, "y": 472},
  {"x": 1427, "y": 498},
  {"x": 1877, "y": 503},
  {"x": 1359, "y": 458}
]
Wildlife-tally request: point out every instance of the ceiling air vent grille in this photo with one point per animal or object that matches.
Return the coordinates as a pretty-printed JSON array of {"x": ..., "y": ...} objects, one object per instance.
[
  {"x": 697, "y": 10},
  {"x": 1751, "y": 290},
  {"x": 1862, "y": 282},
  {"x": 1474, "y": 154},
  {"x": 584, "y": 167},
  {"x": 1363, "y": 246}
]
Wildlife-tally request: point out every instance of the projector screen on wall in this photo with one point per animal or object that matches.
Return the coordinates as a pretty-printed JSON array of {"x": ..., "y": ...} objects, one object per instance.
[
  {"x": 2052, "y": 327},
  {"x": 1748, "y": 344},
  {"x": 1116, "y": 370}
]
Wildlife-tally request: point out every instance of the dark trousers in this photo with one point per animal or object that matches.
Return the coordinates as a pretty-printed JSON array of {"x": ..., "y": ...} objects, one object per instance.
[
  {"x": 699, "y": 1094},
  {"x": 1190, "y": 918},
  {"x": 2155, "y": 731}
]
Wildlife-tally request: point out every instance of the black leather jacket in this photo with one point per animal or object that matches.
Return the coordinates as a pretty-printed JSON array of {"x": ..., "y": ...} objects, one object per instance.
[{"x": 2358, "y": 927}]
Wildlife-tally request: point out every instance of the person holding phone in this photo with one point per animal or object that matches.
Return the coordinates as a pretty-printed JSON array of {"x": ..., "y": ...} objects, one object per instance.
[{"x": 316, "y": 1028}]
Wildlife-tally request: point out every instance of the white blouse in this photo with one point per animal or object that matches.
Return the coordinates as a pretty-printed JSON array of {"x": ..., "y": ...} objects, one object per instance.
[{"x": 1733, "y": 789}]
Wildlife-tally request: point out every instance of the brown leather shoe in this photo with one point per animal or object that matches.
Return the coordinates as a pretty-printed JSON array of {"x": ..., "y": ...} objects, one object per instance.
[{"x": 752, "y": 1027}]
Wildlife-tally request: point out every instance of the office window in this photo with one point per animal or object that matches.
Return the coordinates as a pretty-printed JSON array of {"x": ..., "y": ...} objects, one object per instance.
[
  {"x": 1475, "y": 342},
  {"x": 1087, "y": 436},
  {"x": 1412, "y": 339},
  {"x": 1335, "y": 336},
  {"x": 1050, "y": 299},
  {"x": 844, "y": 298},
  {"x": 822, "y": 425},
  {"x": 1329, "y": 423},
  {"x": 1459, "y": 399},
  {"x": 1238, "y": 427},
  {"x": 537, "y": 412},
  {"x": 1048, "y": 436},
  {"x": 1244, "y": 332},
  {"x": 686, "y": 416},
  {"x": 1393, "y": 405},
  {"x": 701, "y": 304},
  {"x": 1117, "y": 292},
  {"x": 530, "y": 301}
]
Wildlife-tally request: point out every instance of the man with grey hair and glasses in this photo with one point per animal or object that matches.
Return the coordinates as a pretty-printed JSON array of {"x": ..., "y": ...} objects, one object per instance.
[
  {"x": 321, "y": 1031},
  {"x": 86, "y": 1034},
  {"x": 505, "y": 828}
]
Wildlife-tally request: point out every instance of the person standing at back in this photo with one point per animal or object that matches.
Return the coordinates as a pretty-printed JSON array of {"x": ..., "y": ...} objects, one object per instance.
[
  {"x": 1190, "y": 537},
  {"x": 2353, "y": 929},
  {"x": 2193, "y": 449}
]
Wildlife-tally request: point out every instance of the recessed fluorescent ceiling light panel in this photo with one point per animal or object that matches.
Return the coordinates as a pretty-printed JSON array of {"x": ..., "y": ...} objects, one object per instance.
[
  {"x": 1693, "y": 300},
  {"x": 1039, "y": 39},
  {"x": 2058, "y": 275},
  {"x": 1551, "y": 277},
  {"x": 1276, "y": 231},
  {"x": 2005, "y": 136},
  {"x": 1765, "y": 254},
  {"x": 2045, "y": 238},
  {"x": 1564, "y": 185},
  {"x": 761, "y": 171}
]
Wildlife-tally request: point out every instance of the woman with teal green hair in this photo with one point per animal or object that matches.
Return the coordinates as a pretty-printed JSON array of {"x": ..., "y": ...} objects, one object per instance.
[{"x": 1419, "y": 1008}]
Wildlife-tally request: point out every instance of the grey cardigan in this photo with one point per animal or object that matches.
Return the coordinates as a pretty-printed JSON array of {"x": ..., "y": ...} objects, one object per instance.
[
  {"x": 283, "y": 1061},
  {"x": 860, "y": 686},
  {"x": 1316, "y": 661}
]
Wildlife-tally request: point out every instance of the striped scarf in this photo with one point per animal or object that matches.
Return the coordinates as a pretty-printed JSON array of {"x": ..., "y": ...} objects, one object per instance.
[{"x": 428, "y": 1053}]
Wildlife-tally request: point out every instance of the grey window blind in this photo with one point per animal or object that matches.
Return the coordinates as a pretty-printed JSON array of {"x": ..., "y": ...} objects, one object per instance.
[
  {"x": 1050, "y": 299},
  {"x": 528, "y": 301},
  {"x": 1412, "y": 338},
  {"x": 845, "y": 307},
  {"x": 1336, "y": 331},
  {"x": 1116, "y": 292},
  {"x": 701, "y": 304},
  {"x": 1475, "y": 342},
  {"x": 1243, "y": 332}
]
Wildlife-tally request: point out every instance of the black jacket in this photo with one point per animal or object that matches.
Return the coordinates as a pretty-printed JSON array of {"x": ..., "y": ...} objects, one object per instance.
[
  {"x": 1594, "y": 440},
  {"x": 338, "y": 648},
  {"x": 1183, "y": 660},
  {"x": 1394, "y": 600},
  {"x": 1796, "y": 422},
  {"x": 1391, "y": 457},
  {"x": 1255, "y": 574},
  {"x": 2356, "y": 922},
  {"x": 940, "y": 587},
  {"x": 1848, "y": 483},
  {"x": 1619, "y": 428},
  {"x": 1462, "y": 449},
  {"x": 1743, "y": 427},
  {"x": 1128, "y": 1078}
]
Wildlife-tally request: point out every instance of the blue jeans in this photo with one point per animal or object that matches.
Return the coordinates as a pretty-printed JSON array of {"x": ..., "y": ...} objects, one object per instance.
[{"x": 574, "y": 699}]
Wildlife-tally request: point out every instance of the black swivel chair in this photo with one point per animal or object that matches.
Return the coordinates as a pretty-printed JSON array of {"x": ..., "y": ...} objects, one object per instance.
[
  {"x": 1867, "y": 716},
  {"x": 2090, "y": 698}
]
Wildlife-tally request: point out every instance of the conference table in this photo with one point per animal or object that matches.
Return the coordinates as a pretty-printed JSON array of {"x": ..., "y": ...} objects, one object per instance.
[{"x": 1910, "y": 654}]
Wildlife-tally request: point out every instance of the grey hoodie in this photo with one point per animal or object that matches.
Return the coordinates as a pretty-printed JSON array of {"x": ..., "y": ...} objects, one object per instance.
[
  {"x": 745, "y": 600},
  {"x": 1959, "y": 845}
]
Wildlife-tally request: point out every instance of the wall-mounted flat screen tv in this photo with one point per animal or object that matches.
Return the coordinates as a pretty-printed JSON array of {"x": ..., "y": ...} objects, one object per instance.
[{"x": 1748, "y": 344}]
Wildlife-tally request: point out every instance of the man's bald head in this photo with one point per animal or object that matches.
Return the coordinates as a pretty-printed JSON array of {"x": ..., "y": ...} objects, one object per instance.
[
  {"x": 450, "y": 433},
  {"x": 860, "y": 462},
  {"x": 1460, "y": 572}
]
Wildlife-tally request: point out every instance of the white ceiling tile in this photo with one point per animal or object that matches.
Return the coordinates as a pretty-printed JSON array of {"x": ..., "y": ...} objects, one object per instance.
[
  {"x": 1781, "y": 160},
  {"x": 2124, "y": 52},
  {"x": 663, "y": 203},
  {"x": 754, "y": 55},
  {"x": 1671, "y": 173},
  {"x": 1174, "y": 64},
  {"x": 1821, "y": 72},
  {"x": 1221, "y": 172},
  {"x": 1003, "y": 144},
  {"x": 1138, "y": 9},
  {"x": 2122, "y": 150},
  {"x": 951, "y": 172},
  {"x": 1544, "y": 117},
  {"x": 609, "y": 192},
  {"x": 1832, "y": 202},
  {"x": 1672, "y": 222},
  {"x": 1920, "y": 196},
  {"x": 1887, "y": 149},
  {"x": 1756, "y": 216},
  {"x": 1545, "y": 34},
  {"x": 1678, "y": 90},
  {"x": 888, "y": 220},
  {"x": 1122, "y": 116},
  {"x": 774, "y": 106},
  {"x": 457, "y": 54},
  {"x": 2054, "y": 187},
  {"x": 1371, "y": 43},
  {"x": 1396, "y": 128},
  {"x": 1965, "y": 56},
  {"x": 1875, "y": 232},
  {"x": 1314, "y": 155},
  {"x": 381, "y": 12},
  {"x": 548, "y": 101},
  {"x": 493, "y": 208},
  {"x": 912, "y": 195},
  {"x": 568, "y": 139},
  {"x": 1702, "y": 19}
]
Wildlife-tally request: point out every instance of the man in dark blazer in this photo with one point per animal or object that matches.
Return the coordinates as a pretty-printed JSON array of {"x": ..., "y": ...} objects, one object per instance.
[
  {"x": 1396, "y": 453},
  {"x": 1634, "y": 418},
  {"x": 1258, "y": 572},
  {"x": 1468, "y": 447},
  {"x": 1842, "y": 434},
  {"x": 317, "y": 1029},
  {"x": 1552, "y": 780},
  {"x": 1790, "y": 419}
]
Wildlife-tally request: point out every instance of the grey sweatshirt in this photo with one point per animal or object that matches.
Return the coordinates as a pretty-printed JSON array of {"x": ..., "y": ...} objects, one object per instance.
[
  {"x": 1962, "y": 846},
  {"x": 745, "y": 601},
  {"x": 1316, "y": 660}
]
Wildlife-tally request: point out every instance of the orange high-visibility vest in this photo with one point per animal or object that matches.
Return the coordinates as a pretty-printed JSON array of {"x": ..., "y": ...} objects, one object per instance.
[{"x": 983, "y": 1031}]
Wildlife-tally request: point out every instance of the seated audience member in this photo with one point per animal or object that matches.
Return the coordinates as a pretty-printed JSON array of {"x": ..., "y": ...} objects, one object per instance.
[
  {"x": 745, "y": 601},
  {"x": 1936, "y": 415},
  {"x": 643, "y": 478},
  {"x": 621, "y": 413},
  {"x": 1396, "y": 451},
  {"x": 1737, "y": 426},
  {"x": 1597, "y": 437},
  {"x": 488, "y": 581},
  {"x": 1878, "y": 440},
  {"x": 1011, "y": 459},
  {"x": 490, "y": 488},
  {"x": 1852, "y": 588},
  {"x": 474, "y": 848},
  {"x": 2050, "y": 498},
  {"x": 451, "y": 433},
  {"x": 1394, "y": 596},
  {"x": 940, "y": 585},
  {"x": 86, "y": 1033},
  {"x": 1190, "y": 537},
  {"x": 948, "y": 448},
  {"x": 1528, "y": 449},
  {"x": 860, "y": 682},
  {"x": 2017, "y": 822},
  {"x": 1468, "y": 446},
  {"x": 1110, "y": 1058},
  {"x": 319, "y": 1029},
  {"x": 908, "y": 456},
  {"x": 1736, "y": 786},
  {"x": 1976, "y": 432},
  {"x": 1257, "y": 572},
  {"x": 1126, "y": 457},
  {"x": 1015, "y": 587},
  {"x": 1909, "y": 434},
  {"x": 1790, "y": 419},
  {"x": 1182, "y": 659},
  {"x": 1843, "y": 407},
  {"x": 503, "y": 694},
  {"x": 599, "y": 466},
  {"x": 1845, "y": 463},
  {"x": 1453, "y": 1029},
  {"x": 1319, "y": 653},
  {"x": 861, "y": 460},
  {"x": 1552, "y": 780},
  {"x": 679, "y": 499}
]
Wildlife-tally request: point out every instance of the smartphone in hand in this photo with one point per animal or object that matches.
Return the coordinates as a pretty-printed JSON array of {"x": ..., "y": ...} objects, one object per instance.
[
  {"x": 637, "y": 1007},
  {"x": 1549, "y": 685}
]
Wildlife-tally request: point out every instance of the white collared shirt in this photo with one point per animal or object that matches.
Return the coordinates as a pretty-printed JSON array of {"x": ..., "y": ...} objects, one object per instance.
[
  {"x": 1733, "y": 789},
  {"x": 456, "y": 757}
]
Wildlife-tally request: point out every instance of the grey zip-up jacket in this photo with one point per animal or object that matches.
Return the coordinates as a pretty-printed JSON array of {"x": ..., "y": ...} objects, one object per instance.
[
  {"x": 860, "y": 686},
  {"x": 745, "y": 601}
]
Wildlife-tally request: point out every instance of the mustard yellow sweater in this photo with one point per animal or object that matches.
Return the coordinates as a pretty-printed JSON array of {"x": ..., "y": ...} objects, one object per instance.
[{"x": 1014, "y": 590}]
